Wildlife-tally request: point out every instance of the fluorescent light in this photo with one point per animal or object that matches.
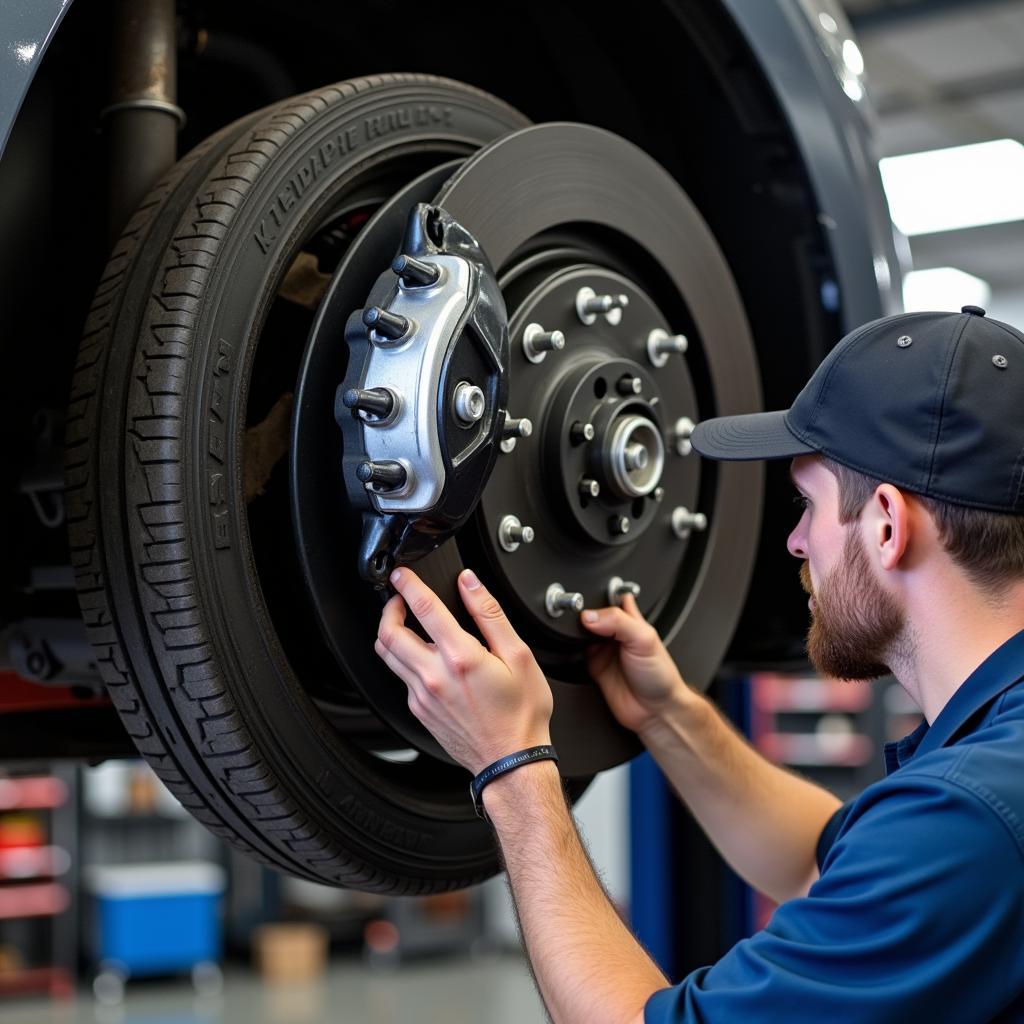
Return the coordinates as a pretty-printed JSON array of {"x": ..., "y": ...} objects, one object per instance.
[
  {"x": 943, "y": 288},
  {"x": 962, "y": 187}
]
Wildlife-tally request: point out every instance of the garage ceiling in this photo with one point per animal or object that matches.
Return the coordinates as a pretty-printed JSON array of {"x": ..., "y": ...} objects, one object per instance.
[{"x": 947, "y": 73}]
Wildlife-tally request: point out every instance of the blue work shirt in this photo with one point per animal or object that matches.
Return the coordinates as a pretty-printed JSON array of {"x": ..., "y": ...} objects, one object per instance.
[{"x": 918, "y": 913}]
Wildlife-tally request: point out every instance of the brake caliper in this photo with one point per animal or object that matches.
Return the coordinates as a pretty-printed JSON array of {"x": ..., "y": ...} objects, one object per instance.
[{"x": 422, "y": 405}]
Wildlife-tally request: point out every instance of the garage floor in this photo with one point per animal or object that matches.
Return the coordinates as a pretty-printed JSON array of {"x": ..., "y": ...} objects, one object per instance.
[{"x": 491, "y": 990}]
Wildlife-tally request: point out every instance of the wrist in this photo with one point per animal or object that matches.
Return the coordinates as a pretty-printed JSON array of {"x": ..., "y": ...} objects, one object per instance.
[
  {"x": 514, "y": 793},
  {"x": 682, "y": 712}
]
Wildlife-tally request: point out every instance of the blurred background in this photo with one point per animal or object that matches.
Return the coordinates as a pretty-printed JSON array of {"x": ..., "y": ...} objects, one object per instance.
[{"x": 115, "y": 905}]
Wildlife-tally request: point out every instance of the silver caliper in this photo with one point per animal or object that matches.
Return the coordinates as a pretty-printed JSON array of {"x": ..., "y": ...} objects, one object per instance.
[{"x": 422, "y": 406}]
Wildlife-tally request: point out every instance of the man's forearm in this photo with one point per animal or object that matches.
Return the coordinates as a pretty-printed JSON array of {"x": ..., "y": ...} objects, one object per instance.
[
  {"x": 589, "y": 968},
  {"x": 765, "y": 821}
]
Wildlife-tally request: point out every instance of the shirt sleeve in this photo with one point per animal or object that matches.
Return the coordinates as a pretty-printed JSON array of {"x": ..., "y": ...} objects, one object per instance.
[{"x": 918, "y": 914}]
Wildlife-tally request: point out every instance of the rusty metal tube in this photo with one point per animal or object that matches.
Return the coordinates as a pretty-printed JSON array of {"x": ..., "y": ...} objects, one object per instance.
[{"x": 143, "y": 119}]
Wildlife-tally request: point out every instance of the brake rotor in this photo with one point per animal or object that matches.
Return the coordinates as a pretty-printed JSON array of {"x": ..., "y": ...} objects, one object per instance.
[{"x": 685, "y": 538}]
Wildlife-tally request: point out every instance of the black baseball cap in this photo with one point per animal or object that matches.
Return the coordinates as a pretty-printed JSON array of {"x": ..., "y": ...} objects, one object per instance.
[{"x": 932, "y": 402}]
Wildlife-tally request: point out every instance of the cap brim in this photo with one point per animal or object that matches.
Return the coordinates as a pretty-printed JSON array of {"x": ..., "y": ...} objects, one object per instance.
[{"x": 757, "y": 435}]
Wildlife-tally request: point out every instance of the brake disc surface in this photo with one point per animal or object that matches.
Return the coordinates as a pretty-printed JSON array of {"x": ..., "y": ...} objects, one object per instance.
[{"x": 604, "y": 481}]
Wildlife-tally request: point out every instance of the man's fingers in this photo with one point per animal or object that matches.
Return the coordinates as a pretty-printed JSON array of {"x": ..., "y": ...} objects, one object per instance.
[
  {"x": 439, "y": 623},
  {"x": 488, "y": 615},
  {"x": 393, "y": 662},
  {"x": 632, "y": 631},
  {"x": 397, "y": 637}
]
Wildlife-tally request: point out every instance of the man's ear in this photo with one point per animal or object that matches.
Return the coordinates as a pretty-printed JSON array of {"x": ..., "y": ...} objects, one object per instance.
[{"x": 888, "y": 521}]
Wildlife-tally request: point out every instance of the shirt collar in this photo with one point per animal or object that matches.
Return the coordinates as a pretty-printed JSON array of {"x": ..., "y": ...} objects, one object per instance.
[{"x": 998, "y": 672}]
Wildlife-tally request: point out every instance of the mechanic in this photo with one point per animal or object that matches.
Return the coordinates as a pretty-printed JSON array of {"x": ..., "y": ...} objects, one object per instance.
[{"x": 907, "y": 448}]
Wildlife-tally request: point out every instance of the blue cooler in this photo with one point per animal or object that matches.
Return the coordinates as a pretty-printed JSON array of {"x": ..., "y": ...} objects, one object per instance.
[{"x": 157, "y": 918}]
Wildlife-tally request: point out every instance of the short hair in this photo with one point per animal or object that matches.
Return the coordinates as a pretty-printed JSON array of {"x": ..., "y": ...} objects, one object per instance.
[{"x": 988, "y": 546}]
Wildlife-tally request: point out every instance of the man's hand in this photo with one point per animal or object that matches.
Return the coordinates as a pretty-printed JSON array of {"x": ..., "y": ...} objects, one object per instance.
[
  {"x": 636, "y": 674},
  {"x": 479, "y": 704}
]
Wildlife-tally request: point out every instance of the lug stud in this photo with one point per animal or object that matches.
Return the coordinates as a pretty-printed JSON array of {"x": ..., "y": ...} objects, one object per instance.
[
  {"x": 376, "y": 402},
  {"x": 384, "y": 324},
  {"x": 627, "y": 384},
  {"x": 386, "y": 475},
  {"x": 557, "y": 600},
  {"x": 517, "y": 428},
  {"x": 658, "y": 493},
  {"x": 618, "y": 588},
  {"x": 581, "y": 432},
  {"x": 590, "y": 305},
  {"x": 512, "y": 533},
  {"x": 661, "y": 345},
  {"x": 619, "y": 525},
  {"x": 589, "y": 488},
  {"x": 415, "y": 273},
  {"x": 537, "y": 342},
  {"x": 684, "y": 521},
  {"x": 468, "y": 403},
  {"x": 512, "y": 431},
  {"x": 681, "y": 433}
]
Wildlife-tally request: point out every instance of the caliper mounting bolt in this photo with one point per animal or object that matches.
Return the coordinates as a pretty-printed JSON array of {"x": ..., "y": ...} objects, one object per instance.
[
  {"x": 387, "y": 475},
  {"x": 512, "y": 533},
  {"x": 469, "y": 403},
  {"x": 557, "y": 599},
  {"x": 683, "y": 521},
  {"x": 618, "y": 588},
  {"x": 385, "y": 324},
  {"x": 661, "y": 345},
  {"x": 589, "y": 488},
  {"x": 619, "y": 525},
  {"x": 581, "y": 432},
  {"x": 589, "y": 305},
  {"x": 415, "y": 273},
  {"x": 378, "y": 402},
  {"x": 537, "y": 342}
]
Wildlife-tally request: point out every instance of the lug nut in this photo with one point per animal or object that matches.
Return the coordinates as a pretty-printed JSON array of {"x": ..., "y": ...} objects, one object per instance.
[
  {"x": 387, "y": 475},
  {"x": 661, "y": 345},
  {"x": 589, "y": 488},
  {"x": 589, "y": 305},
  {"x": 557, "y": 600},
  {"x": 683, "y": 521},
  {"x": 636, "y": 456},
  {"x": 681, "y": 432},
  {"x": 377, "y": 402},
  {"x": 385, "y": 324},
  {"x": 468, "y": 403},
  {"x": 512, "y": 533},
  {"x": 537, "y": 342},
  {"x": 627, "y": 384},
  {"x": 581, "y": 432},
  {"x": 619, "y": 525},
  {"x": 618, "y": 588},
  {"x": 415, "y": 273}
]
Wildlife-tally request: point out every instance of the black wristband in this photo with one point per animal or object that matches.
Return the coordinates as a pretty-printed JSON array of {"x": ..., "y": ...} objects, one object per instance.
[{"x": 506, "y": 764}]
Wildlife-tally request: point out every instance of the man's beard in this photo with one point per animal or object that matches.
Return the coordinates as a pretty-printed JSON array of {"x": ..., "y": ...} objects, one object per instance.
[{"x": 855, "y": 623}]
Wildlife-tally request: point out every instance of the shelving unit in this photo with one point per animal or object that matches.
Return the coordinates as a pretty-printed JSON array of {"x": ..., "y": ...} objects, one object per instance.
[{"x": 38, "y": 881}]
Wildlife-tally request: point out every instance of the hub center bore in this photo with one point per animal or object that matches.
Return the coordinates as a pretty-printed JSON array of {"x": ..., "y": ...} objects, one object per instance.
[{"x": 633, "y": 456}]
